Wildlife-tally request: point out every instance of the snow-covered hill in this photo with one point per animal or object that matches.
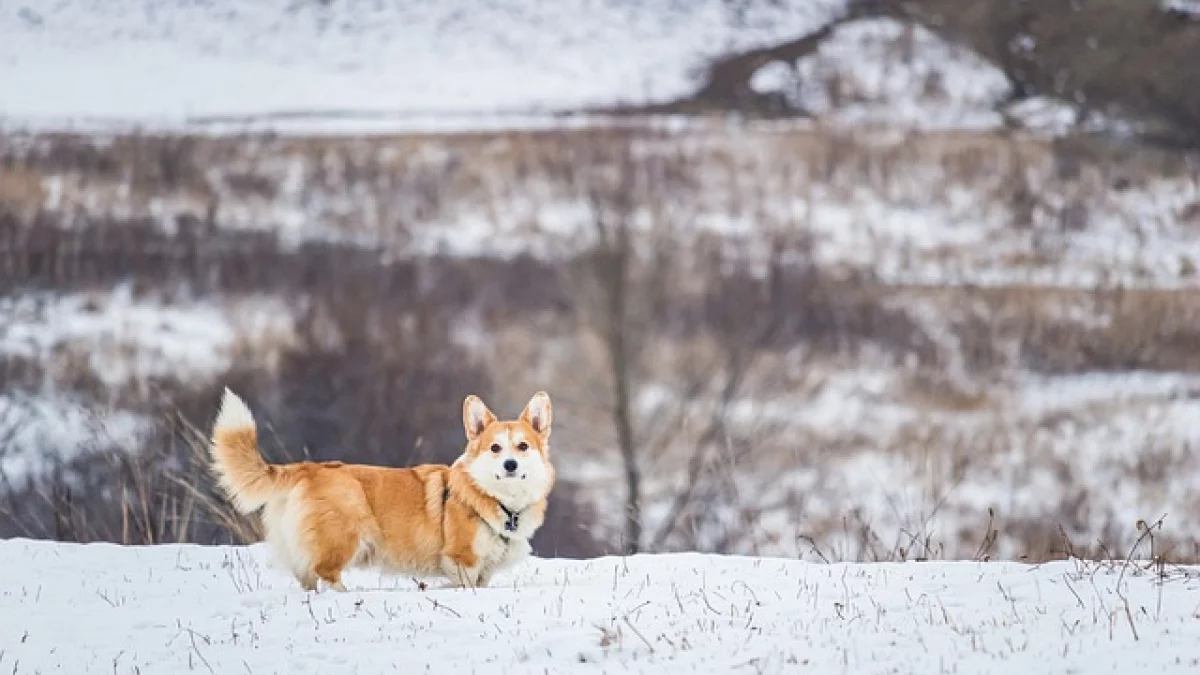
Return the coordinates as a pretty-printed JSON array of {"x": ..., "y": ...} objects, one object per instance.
[
  {"x": 174, "y": 609},
  {"x": 155, "y": 61}
]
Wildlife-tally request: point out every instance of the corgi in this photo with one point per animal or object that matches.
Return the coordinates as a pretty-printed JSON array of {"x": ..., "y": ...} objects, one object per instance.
[{"x": 463, "y": 522}]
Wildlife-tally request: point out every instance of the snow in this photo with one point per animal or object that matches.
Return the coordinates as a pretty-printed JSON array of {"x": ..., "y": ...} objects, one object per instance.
[
  {"x": 38, "y": 430},
  {"x": 1191, "y": 7},
  {"x": 776, "y": 76},
  {"x": 124, "y": 339},
  {"x": 155, "y": 62},
  {"x": 168, "y": 609},
  {"x": 343, "y": 124},
  {"x": 884, "y": 71},
  {"x": 1044, "y": 113}
]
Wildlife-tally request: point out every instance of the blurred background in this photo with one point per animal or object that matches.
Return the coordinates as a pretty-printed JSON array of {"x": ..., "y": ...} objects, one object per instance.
[{"x": 825, "y": 279}]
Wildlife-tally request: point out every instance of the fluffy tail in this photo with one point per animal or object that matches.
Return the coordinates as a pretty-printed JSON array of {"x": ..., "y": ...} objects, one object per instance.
[{"x": 248, "y": 480}]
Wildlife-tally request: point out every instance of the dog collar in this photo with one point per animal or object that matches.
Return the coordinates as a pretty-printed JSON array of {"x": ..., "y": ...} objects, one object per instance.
[{"x": 510, "y": 525}]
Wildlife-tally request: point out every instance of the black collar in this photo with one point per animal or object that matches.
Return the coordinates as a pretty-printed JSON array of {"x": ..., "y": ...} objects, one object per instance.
[{"x": 510, "y": 525}]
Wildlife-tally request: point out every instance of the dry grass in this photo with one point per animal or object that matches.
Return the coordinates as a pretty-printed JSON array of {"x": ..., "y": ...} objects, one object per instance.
[
  {"x": 21, "y": 188},
  {"x": 390, "y": 341},
  {"x": 442, "y": 172}
]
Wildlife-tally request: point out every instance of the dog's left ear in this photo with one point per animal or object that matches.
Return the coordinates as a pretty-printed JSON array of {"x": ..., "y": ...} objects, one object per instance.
[{"x": 537, "y": 414}]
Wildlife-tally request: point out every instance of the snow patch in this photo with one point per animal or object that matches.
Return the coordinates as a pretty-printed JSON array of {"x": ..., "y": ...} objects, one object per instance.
[
  {"x": 170, "y": 609},
  {"x": 1045, "y": 114},
  {"x": 884, "y": 71},
  {"x": 1190, "y": 7},
  {"x": 35, "y": 431},
  {"x": 145, "y": 60},
  {"x": 124, "y": 339}
]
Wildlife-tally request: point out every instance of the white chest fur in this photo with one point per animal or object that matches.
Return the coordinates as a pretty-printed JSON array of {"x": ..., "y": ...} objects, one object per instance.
[{"x": 498, "y": 553}]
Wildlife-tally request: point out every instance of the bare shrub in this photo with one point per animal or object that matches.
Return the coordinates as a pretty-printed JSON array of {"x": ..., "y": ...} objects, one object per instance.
[{"x": 373, "y": 376}]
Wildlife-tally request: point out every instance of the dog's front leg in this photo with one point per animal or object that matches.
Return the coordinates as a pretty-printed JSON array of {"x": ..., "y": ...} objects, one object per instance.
[
  {"x": 485, "y": 577},
  {"x": 518, "y": 550},
  {"x": 462, "y": 576}
]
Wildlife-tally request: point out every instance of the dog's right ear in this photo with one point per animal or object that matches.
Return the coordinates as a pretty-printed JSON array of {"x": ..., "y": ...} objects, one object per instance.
[{"x": 476, "y": 417}]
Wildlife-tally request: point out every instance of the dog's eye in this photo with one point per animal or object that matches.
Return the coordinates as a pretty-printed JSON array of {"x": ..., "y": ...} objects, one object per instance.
[
  {"x": 522, "y": 446},
  {"x": 496, "y": 447}
]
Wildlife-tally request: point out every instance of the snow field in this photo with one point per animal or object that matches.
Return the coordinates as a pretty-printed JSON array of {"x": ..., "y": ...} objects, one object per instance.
[
  {"x": 172, "y": 609},
  {"x": 147, "y": 61}
]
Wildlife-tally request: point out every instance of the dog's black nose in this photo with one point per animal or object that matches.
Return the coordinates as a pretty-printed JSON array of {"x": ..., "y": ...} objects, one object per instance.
[{"x": 510, "y": 465}]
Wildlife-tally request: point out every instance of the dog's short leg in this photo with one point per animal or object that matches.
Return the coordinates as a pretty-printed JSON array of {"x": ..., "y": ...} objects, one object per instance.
[
  {"x": 461, "y": 576},
  {"x": 308, "y": 580},
  {"x": 337, "y": 586},
  {"x": 330, "y": 571},
  {"x": 333, "y": 550}
]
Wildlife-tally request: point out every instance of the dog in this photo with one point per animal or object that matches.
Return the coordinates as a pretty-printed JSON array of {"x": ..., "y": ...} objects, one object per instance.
[{"x": 464, "y": 522}]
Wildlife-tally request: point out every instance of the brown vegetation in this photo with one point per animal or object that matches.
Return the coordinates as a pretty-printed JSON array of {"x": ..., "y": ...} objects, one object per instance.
[{"x": 639, "y": 301}]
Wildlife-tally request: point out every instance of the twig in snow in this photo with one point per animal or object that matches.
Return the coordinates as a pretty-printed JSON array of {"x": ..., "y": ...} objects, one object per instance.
[
  {"x": 704, "y": 597},
  {"x": 1067, "y": 579},
  {"x": 307, "y": 602},
  {"x": 637, "y": 609},
  {"x": 438, "y": 605},
  {"x": 192, "y": 636},
  {"x": 638, "y": 633},
  {"x": 813, "y": 544},
  {"x": 1129, "y": 616},
  {"x": 983, "y": 553},
  {"x": 1147, "y": 531}
]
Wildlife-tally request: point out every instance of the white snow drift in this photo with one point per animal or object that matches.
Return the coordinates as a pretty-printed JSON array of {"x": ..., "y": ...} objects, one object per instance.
[
  {"x": 162, "y": 61},
  {"x": 174, "y": 609}
]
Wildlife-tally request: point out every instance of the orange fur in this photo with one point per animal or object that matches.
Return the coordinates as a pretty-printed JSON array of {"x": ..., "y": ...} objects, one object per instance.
[{"x": 325, "y": 517}]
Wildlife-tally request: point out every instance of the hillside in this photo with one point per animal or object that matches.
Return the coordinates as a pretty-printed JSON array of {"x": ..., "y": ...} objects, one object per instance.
[
  {"x": 928, "y": 314},
  {"x": 899, "y": 334},
  {"x": 156, "y": 63},
  {"x": 171, "y": 609}
]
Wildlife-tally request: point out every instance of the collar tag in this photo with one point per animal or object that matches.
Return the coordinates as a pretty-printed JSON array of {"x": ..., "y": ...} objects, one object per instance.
[{"x": 510, "y": 525}]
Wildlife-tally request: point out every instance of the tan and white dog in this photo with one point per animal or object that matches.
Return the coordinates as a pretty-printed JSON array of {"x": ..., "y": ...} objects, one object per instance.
[{"x": 464, "y": 522}]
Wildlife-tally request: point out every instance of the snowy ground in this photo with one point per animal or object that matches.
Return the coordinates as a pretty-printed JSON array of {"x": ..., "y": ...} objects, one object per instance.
[
  {"x": 153, "y": 61},
  {"x": 171, "y": 609},
  {"x": 363, "y": 66}
]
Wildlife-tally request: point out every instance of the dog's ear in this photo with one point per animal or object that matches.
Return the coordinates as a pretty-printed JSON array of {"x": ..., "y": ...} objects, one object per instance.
[
  {"x": 537, "y": 414},
  {"x": 476, "y": 416}
]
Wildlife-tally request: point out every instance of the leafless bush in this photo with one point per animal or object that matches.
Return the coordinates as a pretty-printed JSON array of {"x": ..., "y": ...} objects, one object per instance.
[
  {"x": 680, "y": 354},
  {"x": 374, "y": 376}
]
